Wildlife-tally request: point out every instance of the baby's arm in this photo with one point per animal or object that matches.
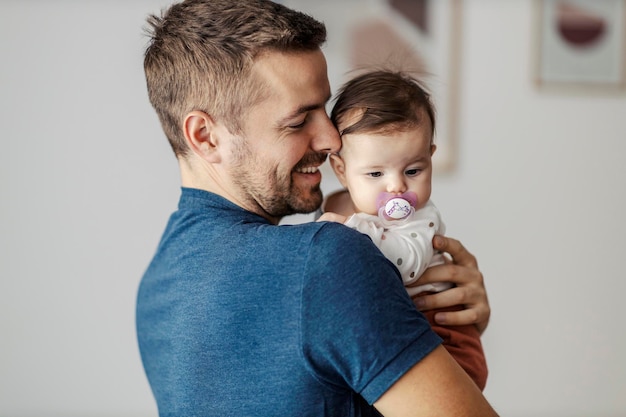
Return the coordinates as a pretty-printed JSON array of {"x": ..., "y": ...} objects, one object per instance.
[{"x": 332, "y": 217}]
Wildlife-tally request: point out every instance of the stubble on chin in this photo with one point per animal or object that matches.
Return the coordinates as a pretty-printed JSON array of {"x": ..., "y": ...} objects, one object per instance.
[
  {"x": 290, "y": 200},
  {"x": 307, "y": 199},
  {"x": 306, "y": 202},
  {"x": 277, "y": 194}
]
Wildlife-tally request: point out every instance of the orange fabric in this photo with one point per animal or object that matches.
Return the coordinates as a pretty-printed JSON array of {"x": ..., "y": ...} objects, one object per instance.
[{"x": 463, "y": 343}]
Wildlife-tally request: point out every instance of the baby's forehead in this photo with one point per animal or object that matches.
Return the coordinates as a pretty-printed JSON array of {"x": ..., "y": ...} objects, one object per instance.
[{"x": 407, "y": 142}]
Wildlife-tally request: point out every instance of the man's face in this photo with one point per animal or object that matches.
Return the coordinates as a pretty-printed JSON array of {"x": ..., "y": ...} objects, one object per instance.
[{"x": 286, "y": 137}]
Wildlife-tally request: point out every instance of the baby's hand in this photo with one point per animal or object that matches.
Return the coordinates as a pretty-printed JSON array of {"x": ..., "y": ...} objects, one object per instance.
[{"x": 332, "y": 217}]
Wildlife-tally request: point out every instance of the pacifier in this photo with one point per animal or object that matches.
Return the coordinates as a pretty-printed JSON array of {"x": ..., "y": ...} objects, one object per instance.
[{"x": 396, "y": 206}]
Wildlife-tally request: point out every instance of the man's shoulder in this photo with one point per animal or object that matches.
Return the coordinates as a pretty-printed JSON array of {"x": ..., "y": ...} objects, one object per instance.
[
  {"x": 335, "y": 245},
  {"x": 336, "y": 234}
]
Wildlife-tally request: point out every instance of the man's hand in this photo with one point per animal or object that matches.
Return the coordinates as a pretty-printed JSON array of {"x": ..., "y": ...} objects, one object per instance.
[{"x": 470, "y": 290}]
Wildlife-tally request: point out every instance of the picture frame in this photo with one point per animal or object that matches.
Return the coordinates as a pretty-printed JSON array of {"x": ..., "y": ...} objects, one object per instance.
[
  {"x": 420, "y": 36},
  {"x": 580, "y": 44}
]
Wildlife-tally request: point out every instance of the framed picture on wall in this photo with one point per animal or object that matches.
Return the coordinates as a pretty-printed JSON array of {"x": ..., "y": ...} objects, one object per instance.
[
  {"x": 424, "y": 36},
  {"x": 420, "y": 36},
  {"x": 581, "y": 43}
]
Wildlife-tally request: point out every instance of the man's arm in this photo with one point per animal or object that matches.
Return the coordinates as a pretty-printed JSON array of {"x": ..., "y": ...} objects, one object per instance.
[{"x": 435, "y": 386}]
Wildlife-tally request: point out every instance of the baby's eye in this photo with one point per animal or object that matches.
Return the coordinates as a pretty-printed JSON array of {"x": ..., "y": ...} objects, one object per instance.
[
  {"x": 375, "y": 174},
  {"x": 413, "y": 172}
]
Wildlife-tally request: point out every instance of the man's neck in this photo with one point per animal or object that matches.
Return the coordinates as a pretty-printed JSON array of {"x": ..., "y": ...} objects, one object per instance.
[{"x": 213, "y": 181}]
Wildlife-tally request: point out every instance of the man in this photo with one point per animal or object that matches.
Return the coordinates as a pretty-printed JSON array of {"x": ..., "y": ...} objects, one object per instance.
[{"x": 239, "y": 316}]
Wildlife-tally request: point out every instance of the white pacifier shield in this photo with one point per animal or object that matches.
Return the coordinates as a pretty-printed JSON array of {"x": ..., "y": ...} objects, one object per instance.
[{"x": 397, "y": 208}]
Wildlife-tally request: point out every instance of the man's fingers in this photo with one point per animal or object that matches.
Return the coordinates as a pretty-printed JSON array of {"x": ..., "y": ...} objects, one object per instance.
[
  {"x": 458, "y": 318},
  {"x": 477, "y": 314},
  {"x": 469, "y": 291},
  {"x": 451, "y": 297},
  {"x": 453, "y": 273}
]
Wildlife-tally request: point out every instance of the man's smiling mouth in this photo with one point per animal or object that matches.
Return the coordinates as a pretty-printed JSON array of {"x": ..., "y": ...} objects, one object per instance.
[{"x": 307, "y": 170}]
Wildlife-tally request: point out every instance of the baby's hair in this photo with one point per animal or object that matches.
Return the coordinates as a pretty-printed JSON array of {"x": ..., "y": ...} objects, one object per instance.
[{"x": 382, "y": 100}]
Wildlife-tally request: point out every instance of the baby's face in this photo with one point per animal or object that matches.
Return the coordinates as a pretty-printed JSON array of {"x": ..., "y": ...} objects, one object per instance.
[{"x": 393, "y": 162}]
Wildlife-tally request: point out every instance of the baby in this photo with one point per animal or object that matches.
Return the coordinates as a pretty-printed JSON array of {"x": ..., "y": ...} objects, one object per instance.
[{"x": 387, "y": 121}]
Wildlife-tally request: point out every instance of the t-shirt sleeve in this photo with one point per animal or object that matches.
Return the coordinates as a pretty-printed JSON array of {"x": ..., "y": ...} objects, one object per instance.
[{"x": 360, "y": 330}]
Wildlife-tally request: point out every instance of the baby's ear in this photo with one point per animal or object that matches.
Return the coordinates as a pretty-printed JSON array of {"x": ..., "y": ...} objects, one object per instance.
[
  {"x": 433, "y": 148},
  {"x": 339, "y": 167}
]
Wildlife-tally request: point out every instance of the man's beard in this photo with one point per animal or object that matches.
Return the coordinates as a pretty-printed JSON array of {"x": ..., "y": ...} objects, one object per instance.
[
  {"x": 278, "y": 196},
  {"x": 294, "y": 200}
]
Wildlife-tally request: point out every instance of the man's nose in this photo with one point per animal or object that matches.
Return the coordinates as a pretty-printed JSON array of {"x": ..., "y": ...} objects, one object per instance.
[{"x": 327, "y": 140}]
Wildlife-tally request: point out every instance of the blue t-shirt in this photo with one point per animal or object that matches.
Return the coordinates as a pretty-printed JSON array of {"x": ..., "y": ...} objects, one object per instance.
[{"x": 239, "y": 317}]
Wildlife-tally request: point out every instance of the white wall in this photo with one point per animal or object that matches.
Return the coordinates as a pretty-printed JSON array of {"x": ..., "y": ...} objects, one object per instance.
[
  {"x": 540, "y": 197},
  {"x": 87, "y": 181}
]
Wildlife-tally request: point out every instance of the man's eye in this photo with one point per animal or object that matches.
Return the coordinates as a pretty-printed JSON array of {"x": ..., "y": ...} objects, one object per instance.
[
  {"x": 375, "y": 174},
  {"x": 413, "y": 172},
  {"x": 298, "y": 126}
]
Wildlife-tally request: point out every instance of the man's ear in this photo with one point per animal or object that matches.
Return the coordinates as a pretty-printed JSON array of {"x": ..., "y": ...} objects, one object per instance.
[
  {"x": 433, "y": 148},
  {"x": 201, "y": 134},
  {"x": 339, "y": 167}
]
